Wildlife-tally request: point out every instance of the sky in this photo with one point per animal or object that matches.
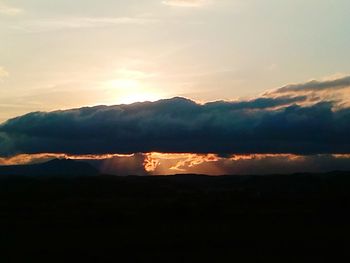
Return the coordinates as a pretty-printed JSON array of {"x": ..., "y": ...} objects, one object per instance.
[
  {"x": 65, "y": 54},
  {"x": 248, "y": 65}
]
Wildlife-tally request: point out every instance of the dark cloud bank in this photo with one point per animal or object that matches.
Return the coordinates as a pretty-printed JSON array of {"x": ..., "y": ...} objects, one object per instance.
[{"x": 263, "y": 125}]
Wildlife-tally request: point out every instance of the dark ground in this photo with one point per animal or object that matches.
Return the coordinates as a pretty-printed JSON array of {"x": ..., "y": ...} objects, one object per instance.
[{"x": 286, "y": 218}]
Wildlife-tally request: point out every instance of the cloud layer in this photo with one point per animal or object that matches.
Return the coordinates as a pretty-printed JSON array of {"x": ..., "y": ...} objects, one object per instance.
[
  {"x": 210, "y": 164},
  {"x": 74, "y": 23},
  {"x": 314, "y": 86},
  {"x": 3, "y": 73},
  {"x": 8, "y": 10},
  {"x": 267, "y": 125},
  {"x": 185, "y": 3},
  {"x": 246, "y": 164}
]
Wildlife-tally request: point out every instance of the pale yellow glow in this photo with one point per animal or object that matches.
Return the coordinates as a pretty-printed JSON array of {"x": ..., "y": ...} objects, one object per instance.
[
  {"x": 125, "y": 84},
  {"x": 138, "y": 97},
  {"x": 129, "y": 87}
]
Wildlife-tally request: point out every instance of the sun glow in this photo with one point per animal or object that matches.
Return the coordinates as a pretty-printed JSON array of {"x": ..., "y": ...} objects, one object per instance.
[
  {"x": 130, "y": 90},
  {"x": 132, "y": 86}
]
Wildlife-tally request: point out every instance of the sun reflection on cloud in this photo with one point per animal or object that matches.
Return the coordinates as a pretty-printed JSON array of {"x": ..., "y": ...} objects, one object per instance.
[
  {"x": 151, "y": 163},
  {"x": 23, "y": 159},
  {"x": 176, "y": 162},
  {"x": 155, "y": 163}
]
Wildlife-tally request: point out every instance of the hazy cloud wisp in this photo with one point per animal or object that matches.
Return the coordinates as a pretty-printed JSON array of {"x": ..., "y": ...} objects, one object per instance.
[
  {"x": 315, "y": 86},
  {"x": 8, "y": 10},
  {"x": 64, "y": 23},
  {"x": 185, "y": 3},
  {"x": 3, "y": 73}
]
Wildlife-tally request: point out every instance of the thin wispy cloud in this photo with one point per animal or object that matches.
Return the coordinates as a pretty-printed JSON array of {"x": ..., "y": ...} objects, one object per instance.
[
  {"x": 9, "y": 10},
  {"x": 3, "y": 73},
  {"x": 71, "y": 23},
  {"x": 315, "y": 85},
  {"x": 185, "y": 3},
  {"x": 335, "y": 88}
]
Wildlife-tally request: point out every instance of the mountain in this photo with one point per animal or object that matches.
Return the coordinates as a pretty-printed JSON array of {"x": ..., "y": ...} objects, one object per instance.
[{"x": 56, "y": 167}]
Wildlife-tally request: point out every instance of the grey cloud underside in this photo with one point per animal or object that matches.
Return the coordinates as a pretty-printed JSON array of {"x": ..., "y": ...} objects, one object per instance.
[
  {"x": 315, "y": 85},
  {"x": 264, "y": 125}
]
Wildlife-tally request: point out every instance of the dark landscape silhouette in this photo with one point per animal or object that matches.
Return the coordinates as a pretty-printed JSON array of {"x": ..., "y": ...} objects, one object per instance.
[
  {"x": 238, "y": 217},
  {"x": 55, "y": 167}
]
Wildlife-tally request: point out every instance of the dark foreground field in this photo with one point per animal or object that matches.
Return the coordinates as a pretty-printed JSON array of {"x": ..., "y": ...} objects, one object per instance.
[{"x": 294, "y": 218}]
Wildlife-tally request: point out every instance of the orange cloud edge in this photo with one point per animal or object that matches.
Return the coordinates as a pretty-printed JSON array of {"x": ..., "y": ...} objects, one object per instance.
[{"x": 155, "y": 163}]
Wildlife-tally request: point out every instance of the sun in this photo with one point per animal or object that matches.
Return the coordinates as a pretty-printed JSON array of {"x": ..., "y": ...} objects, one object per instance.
[
  {"x": 138, "y": 97},
  {"x": 130, "y": 90}
]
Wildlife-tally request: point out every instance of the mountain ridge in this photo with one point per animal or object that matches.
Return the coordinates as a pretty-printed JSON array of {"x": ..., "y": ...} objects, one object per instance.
[{"x": 55, "y": 167}]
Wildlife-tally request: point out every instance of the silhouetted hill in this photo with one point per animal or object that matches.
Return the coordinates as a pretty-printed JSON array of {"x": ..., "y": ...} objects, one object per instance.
[
  {"x": 180, "y": 218},
  {"x": 56, "y": 167}
]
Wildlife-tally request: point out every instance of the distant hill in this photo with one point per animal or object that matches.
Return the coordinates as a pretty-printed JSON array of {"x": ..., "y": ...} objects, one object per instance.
[{"x": 53, "y": 168}]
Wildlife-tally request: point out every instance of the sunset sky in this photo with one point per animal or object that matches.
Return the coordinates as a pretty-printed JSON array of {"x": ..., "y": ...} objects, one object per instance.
[{"x": 258, "y": 79}]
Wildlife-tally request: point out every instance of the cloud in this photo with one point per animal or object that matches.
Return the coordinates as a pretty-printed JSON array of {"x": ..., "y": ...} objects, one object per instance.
[
  {"x": 9, "y": 10},
  {"x": 53, "y": 24},
  {"x": 163, "y": 163},
  {"x": 185, "y": 3},
  {"x": 263, "y": 125},
  {"x": 210, "y": 164},
  {"x": 3, "y": 73},
  {"x": 259, "y": 103},
  {"x": 315, "y": 86},
  {"x": 247, "y": 164}
]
